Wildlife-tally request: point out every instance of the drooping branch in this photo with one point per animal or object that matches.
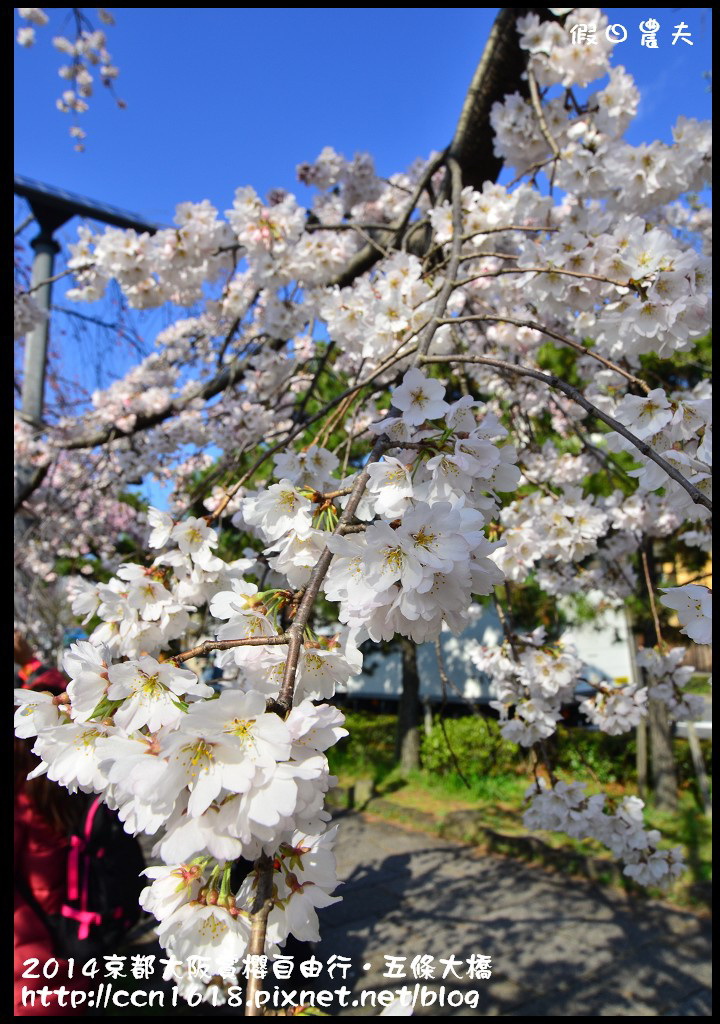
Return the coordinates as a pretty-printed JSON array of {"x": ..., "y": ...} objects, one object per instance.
[
  {"x": 561, "y": 385},
  {"x": 534, "y": 326},
  {"x": 651, "y": 596}
]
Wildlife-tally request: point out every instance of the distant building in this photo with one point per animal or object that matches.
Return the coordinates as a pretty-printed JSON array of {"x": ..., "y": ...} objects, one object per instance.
[{"x": 603, "y": 645}]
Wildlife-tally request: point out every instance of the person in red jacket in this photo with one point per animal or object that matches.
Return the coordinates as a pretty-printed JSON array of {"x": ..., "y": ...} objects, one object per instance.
[
  {"x": 32, "y": 674},
  {"x": 44, "y": 815}
]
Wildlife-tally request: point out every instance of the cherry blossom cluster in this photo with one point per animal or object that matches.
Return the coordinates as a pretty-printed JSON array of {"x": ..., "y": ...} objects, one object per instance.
[
  {"x": 351, "y": 187},
  {"x": 221, "y": 776},
  {"x": 568, "y": 808},
  {"x": 424, "y": 554},
  {"x": 171, "y": 265},
  {"x": 198, "y": 909},
  {"x": 563, "y": 527},
  {"x": 680, "y": 428},
  {"x": 533, "y": 679},
  {"x": 35, "y": 15},
  {"x": 555, "y": 58},
  {"x": 367, "y": 318},
  {"x": 586, "y": 143},
  {"x": 355, "y": 179},
  {"x": 86, "y": 51},
  {"x": 693, "y": 605},
  {"x": 73, "y": 516},
  {"x": 27, "y": 313},
  {"x": 667, "y": 679},
  {"x": 617, "y": 708},
  {"x": 418, "y": 509}
]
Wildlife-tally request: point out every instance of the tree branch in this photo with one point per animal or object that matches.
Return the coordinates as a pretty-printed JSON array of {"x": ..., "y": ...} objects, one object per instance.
[
  {"x": 262, "y": 906},
  {"x": 226, "y": 645},
  {"x": 555, "y": 382},
  {"x": 492, "y": 318}
]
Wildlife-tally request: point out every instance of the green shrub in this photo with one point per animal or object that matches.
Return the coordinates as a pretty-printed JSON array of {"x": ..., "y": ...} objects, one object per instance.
[
  {"x": 482, "y": 753},
  {"x": 369, "y": 749},
  {"x": 477, "y": 745},
  {"x": 586, "y": 754}
]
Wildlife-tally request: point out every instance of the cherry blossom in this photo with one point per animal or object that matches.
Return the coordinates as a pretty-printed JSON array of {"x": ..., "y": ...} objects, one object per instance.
[
  {"x": 446, "y": 466},
  {"x": 693, "y": 605}
]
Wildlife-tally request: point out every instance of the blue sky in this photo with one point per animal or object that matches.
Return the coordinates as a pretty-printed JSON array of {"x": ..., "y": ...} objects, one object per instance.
[{"x": 222, "y": 97}]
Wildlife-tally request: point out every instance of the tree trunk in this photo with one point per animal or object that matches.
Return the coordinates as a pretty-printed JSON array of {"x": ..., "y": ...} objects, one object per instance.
[
  {"x": 641, "y": 758},
  {"x": 699, "y": 765},
  {"x": 662, "y": 756},
  {"x": 641, "y": 734},
  {"x": 664, "y": 774},
  {"x": 407, "y": 742}
]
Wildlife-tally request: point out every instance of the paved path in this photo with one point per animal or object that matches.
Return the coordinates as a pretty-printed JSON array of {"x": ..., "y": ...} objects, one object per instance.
[{"x": 558, "y": 947}]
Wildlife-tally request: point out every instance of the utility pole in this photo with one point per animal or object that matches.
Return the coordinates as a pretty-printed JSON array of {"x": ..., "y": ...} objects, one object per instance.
[
  {"x": 36, "y": 342},
  {"x": 53, "y": 207}
]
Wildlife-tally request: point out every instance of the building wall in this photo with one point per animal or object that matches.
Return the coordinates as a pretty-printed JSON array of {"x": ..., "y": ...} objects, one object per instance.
[{"x": 602, "y": 645}]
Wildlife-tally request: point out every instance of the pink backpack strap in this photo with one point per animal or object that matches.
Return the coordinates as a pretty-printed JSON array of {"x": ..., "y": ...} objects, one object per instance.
[{"x": 78, "y": 845}]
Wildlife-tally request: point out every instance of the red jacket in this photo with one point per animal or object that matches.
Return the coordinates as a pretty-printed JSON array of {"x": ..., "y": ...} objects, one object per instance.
[
  {"x": 36, "y": 676},
  {"x": 41, "y": 865}
]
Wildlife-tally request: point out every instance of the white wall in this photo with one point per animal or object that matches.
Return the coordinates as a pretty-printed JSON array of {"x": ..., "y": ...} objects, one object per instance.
[{"x": 602, "y": 645}]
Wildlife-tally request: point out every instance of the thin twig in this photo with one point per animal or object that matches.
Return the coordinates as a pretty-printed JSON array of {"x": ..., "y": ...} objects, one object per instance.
[
  {"x": 226, "y": 645},
  {"x": 55, "y": 277},
  {"x": 651, "y": 596},
  {"x": 564, "y": 271},
  {"x": 445, "y": 683},
  {"x": 539, "y": 114}
]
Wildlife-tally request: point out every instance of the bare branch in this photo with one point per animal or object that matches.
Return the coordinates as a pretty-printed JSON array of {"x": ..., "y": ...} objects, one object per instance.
[
  {"x": 30, "y": 485},
  {"x": 227, "y": 645},
  {"x": 23, "y": 224},
  {"x": 492, "y": 318}
]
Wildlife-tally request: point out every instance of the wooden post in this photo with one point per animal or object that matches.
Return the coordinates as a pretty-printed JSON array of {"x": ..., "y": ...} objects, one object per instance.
[{"x": 699, "y": 765}]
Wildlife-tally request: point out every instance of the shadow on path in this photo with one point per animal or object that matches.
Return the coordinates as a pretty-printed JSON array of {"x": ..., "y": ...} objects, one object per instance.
[{"x": 559, "y": 947}]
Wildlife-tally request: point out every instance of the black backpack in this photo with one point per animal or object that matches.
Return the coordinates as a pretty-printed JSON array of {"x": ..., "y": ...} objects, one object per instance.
[{"x": 102, "y": 888}]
